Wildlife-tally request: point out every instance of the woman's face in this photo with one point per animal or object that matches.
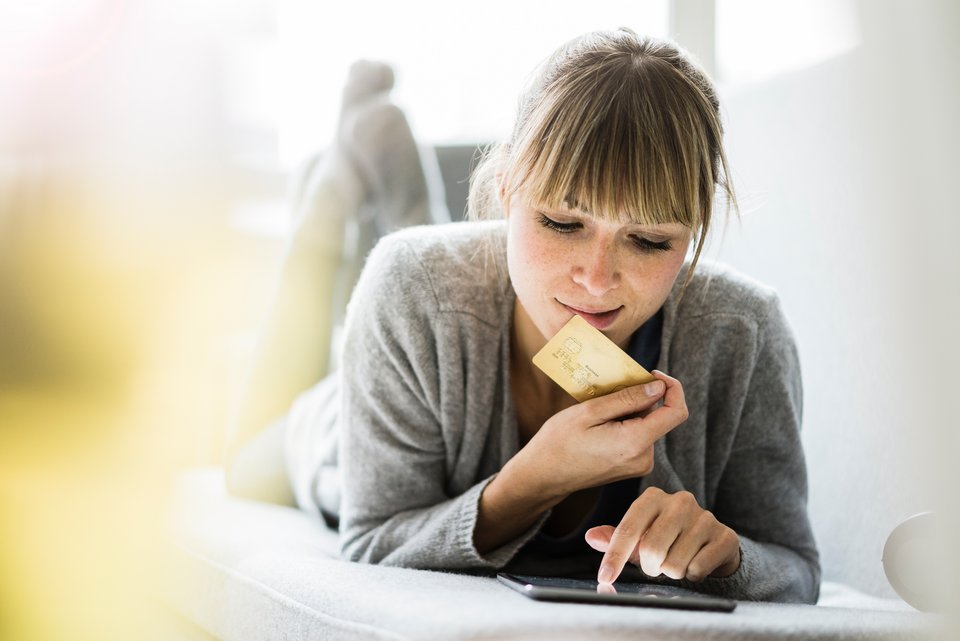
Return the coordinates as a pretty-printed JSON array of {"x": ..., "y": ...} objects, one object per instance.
[{"x": 616, "y": 275}]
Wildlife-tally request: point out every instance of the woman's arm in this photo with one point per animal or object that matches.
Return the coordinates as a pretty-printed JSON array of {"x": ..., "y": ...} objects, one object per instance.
[
  {"x": 406, "y": 468},
  {"x": 509, "y": 505}
]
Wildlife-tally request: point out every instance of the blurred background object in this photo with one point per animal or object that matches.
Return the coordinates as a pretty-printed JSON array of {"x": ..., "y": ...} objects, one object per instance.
[
  {"x": 145, "y": 153},
  {"x": 912, "y": 548}
]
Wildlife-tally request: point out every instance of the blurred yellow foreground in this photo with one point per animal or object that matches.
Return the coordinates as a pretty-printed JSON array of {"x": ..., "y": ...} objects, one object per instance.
[
  {"x": 115, "y": 369},
  {"x": 122, "y": 289}
]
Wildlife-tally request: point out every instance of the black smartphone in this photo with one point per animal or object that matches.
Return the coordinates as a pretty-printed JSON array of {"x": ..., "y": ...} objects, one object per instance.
[{"x": 543, "y": 588}]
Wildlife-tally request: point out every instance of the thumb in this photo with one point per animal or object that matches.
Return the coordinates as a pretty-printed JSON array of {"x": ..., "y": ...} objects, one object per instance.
[{"x": 599, "y": 537}]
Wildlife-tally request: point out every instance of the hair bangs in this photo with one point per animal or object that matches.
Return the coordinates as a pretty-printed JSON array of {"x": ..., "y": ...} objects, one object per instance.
[
  {"x": 620, "y": 126},
  {"x": 618, "y": 152}
]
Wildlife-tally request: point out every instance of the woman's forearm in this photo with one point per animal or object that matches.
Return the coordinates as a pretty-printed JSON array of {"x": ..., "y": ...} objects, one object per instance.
[{"x": 509, "y": 505}]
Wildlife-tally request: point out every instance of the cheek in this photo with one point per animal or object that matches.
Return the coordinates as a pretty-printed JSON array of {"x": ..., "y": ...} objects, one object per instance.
[
  {"x": 528, "y": 256},
  {"x": 670, "y": 269},
  {"x": 656, "y": 279},
  {"x": 667, "y": 267}
]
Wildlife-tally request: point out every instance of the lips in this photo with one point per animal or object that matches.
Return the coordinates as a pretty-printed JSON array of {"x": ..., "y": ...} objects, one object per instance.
[{"x": 601, "y": 319}]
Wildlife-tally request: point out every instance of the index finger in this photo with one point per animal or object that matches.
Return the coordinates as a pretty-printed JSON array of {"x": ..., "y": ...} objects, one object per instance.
[
  {"x": 626, "y": 537},
  {"x": 672, "y": 413}
]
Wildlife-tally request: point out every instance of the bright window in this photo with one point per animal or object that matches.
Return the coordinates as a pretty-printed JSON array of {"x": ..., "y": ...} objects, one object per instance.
[
  {"x": 459, "y": 66},
  {"x": 758, "y": 39}
]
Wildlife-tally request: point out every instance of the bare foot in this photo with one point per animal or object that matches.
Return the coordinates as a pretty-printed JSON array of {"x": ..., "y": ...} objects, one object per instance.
[{"x": 380, "y": 144}]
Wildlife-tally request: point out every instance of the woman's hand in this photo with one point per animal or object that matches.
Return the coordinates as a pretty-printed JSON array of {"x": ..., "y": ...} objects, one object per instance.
[
  {"x": 667, "y": 534},
  {"x": 583, "y": 446},
  {"x": 602, "y": 440}
]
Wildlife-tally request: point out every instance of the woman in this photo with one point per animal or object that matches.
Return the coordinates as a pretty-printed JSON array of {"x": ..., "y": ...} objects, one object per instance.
[{"x": 455, "y": 452}]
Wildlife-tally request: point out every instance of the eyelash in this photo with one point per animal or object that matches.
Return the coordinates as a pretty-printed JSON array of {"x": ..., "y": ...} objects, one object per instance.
[{"x": 642, "y": 244}]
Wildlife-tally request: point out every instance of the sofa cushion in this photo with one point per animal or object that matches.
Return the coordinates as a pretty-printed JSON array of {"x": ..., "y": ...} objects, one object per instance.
[{"x": 248, "y": 571}]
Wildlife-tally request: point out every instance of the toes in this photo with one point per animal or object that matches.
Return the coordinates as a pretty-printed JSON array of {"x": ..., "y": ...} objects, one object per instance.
[
  {"x": 375, "y": 137},
  {"x": 366, "y": 79},
  {"x": 379, "y": 141}
]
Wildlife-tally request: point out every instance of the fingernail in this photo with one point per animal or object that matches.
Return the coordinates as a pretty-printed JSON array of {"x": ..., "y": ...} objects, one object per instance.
[
  {"x": 606, "y": 574},
  {"x": 654, "y": 388}
]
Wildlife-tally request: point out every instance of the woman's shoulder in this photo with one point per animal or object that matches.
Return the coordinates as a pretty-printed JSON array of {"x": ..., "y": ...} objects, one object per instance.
[
  {"x": 718, "y": 289},
  {"x": 454, "y": 267},
  {"x": 453, "y": 244},
  {"x": 723, "y": 315}
]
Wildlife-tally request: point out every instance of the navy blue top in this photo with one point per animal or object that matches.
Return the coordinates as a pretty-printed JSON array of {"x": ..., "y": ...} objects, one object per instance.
[{"x": 615, "y": 498}]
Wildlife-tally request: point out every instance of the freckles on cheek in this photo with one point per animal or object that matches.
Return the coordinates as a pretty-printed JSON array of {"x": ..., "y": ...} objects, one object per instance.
[
  {"x": 530, "y": 250},
  {"x": 537, "y": 255},
  {"x": 659, "y": 279}
]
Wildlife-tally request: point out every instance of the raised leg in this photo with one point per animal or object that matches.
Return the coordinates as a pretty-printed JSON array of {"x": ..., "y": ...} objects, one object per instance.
[{"x": 371, "y": 181}]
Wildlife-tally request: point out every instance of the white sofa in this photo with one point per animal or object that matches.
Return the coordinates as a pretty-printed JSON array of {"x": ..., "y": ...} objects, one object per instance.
[{"x": 252, "y": 571}]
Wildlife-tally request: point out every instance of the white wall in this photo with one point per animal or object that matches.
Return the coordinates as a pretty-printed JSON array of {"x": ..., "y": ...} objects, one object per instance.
[{"x": 847, "y": 172}]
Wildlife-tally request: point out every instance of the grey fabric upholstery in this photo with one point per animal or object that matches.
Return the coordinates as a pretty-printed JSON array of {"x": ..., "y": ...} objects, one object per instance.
[{"x": 456, "y": 163}]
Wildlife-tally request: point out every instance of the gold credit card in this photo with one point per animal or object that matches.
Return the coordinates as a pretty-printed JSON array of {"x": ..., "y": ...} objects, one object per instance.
[{"x": 587, "y": 364}]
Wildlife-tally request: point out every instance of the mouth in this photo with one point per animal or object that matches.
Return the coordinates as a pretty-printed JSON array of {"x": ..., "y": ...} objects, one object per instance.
[{"x": 598, "y": 318}]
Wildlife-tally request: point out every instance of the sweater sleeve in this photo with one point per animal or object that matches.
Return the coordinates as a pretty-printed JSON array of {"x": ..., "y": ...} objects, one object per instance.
[
  {"x": 763, "y": 490},
  {"x": 397, "y": 506}
]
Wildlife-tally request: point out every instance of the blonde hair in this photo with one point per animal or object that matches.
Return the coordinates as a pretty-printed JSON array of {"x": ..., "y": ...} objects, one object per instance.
[{"x": 615, "y": 124}]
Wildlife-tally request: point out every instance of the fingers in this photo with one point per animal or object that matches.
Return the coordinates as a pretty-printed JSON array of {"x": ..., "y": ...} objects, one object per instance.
[
  {"x": 640, "y": 398},
  {"x": 716, "y": 559},
  {"x": 625, "y": 402},
  {"x": 699, "y": 527},
  {"x": 653, "y": 423},
  {"x": 599, "y": 537},
  {"x": 673, "y": 412},
  {"x": 673, "y": 396},
  {"x": 639, "y": 401},
  {"x": 666, "y": 534},
  {"x": 627, "y": 535},
  {"x": 606, "y": 588},
  {"x": 598, "y": 446},
  {"x": 669, "y": 535},
  {"x": 707, "y": 548}
]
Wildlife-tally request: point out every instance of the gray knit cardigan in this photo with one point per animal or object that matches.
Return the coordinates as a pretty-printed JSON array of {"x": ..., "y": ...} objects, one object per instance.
[{"x": 426, "y": 416}]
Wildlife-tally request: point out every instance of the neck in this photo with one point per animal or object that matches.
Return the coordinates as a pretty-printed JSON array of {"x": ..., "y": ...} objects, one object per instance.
[{"x": 526, "y": 341}]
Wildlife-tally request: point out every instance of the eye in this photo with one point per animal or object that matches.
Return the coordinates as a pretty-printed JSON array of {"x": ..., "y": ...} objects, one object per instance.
[
  {"x": 563, "y": 228},
  {"x": 647, "y": 245}
]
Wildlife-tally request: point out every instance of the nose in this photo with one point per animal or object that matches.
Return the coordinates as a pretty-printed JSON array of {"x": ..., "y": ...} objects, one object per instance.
[{"x": 596, "y": 269}]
